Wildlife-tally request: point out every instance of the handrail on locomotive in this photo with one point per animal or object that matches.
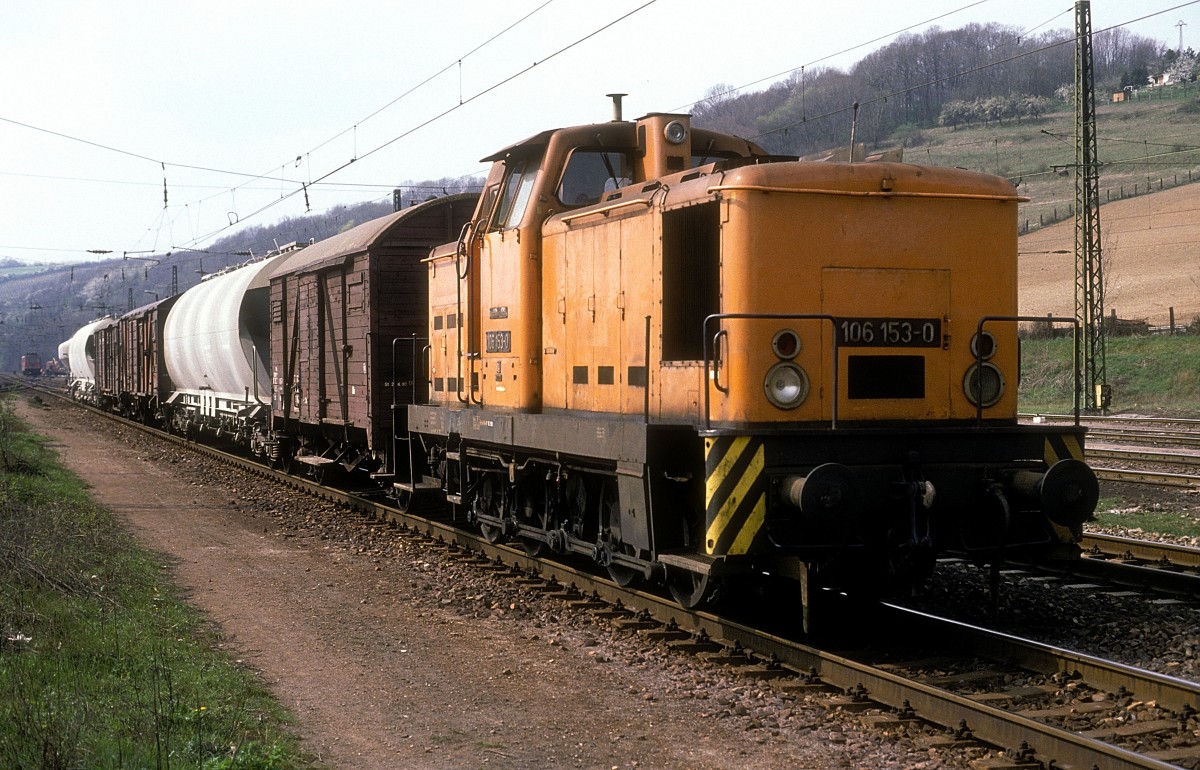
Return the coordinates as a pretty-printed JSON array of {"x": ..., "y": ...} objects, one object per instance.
[
  {"x": 1046, "y": 319},
  {"x": 712, "y": 364}
]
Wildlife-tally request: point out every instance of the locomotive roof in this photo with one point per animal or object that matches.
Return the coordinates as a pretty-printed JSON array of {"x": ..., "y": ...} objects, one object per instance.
[
  {"x": 356, "y": 240},
  {"x": 618, "y": 134},
  {"x": 883, "y": 178}
]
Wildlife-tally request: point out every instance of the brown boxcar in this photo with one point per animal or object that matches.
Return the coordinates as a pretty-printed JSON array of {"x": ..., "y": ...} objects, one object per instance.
[
  {"x": 348, "y": 334},
  {"x": 107, "y": 341},
  {"x": 143, "y": 382}
]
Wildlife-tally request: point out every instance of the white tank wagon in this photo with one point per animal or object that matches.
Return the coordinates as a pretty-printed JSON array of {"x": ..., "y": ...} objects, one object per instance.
[
  {"x": 216, "y": 344},
  {"x": 80, "y": 357}
]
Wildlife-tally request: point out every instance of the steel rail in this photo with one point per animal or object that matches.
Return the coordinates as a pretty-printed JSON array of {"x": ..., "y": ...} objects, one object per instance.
[
  {"x": 1185, "y": 585},
  {"x": 1112, "y": 418},
  {"x": 987, "y": 723},
  {"x": 1184, "y": 459},
  {"x": 1183, "y": 439},
  {"x": 1152, "y": 551},
  {"x": 1158, "y": 479}
]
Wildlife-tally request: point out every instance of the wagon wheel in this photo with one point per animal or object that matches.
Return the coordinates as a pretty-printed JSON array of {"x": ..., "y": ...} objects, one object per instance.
[
  {"x": 691, "y": 589},
  {"x": 533, "y": 547},
  {"x": 280, "y": 462}
]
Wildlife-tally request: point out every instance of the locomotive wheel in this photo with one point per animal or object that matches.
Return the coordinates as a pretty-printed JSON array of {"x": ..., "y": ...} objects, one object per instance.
[
  {"x": 533, "y": 547},
  {"x": 532, "y": 508},
  {"x": 490, "y": 499},
  {"x": 690, "y": 589},
  {"x": 492, "y": 533},
  {"x": 622, "y": 575}
]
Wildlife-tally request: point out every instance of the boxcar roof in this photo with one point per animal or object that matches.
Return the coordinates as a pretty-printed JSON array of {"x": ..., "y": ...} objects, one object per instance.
[{"x": 356, "y": 240}]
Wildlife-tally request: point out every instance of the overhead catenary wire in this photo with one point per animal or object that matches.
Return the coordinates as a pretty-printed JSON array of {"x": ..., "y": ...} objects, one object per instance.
[
  {"x": 324, "y": 179},
  {"x": 498, "y": 84}
]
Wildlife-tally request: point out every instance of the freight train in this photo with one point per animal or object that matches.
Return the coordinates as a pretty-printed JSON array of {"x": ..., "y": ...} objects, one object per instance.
[{"x": 650, "y": 344}]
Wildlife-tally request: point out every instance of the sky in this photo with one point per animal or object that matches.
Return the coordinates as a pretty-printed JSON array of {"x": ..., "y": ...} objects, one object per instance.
[{"x": 244, "y": 113}]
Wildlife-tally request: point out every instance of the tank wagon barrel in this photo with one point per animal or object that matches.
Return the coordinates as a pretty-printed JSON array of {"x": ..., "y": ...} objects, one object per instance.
[{"x": 216, "y": 343}]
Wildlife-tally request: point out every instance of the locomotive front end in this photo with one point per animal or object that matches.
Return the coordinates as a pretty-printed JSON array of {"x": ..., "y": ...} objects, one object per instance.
[{"x": 862, "y": 375}]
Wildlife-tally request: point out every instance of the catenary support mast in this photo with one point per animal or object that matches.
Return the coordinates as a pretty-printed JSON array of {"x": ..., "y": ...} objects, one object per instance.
[{"x": 1089, "y": 263}]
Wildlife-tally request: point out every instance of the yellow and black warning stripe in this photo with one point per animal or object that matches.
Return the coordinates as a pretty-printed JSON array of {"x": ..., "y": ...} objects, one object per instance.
[
  {"x": 735, "y": 493},
  {"x": 1064, "y": 446}
]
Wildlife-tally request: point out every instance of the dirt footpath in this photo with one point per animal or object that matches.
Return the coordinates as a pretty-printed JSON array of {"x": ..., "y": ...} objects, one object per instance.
[{"x": 382, "y": 674}]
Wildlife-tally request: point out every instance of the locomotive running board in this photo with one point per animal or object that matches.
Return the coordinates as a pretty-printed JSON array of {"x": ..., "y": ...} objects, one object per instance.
[
  {"x": 314, "y": 460},
  {"x": 408, "y": 486},
  {"x": 702, "y": 564}
]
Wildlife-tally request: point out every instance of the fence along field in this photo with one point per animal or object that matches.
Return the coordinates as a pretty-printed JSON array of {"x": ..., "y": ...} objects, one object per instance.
[{"x": 1151, "y": 248}]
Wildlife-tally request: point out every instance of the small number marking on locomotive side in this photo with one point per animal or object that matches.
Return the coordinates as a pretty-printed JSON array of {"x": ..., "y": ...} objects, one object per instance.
[{"x": 499, "y": 342}]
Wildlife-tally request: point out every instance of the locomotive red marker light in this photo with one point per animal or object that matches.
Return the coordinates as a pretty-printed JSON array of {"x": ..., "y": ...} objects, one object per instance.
[
  {"x": 786, "y": 344},
  {"x": 983, "y": 345}
]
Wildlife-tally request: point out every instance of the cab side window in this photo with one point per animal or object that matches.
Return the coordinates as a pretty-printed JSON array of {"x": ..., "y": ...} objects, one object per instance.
[{"x": 514, "y": 194}]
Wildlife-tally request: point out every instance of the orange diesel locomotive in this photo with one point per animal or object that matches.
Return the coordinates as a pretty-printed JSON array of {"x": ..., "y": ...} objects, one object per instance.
[{"x": 658, "y": 346}]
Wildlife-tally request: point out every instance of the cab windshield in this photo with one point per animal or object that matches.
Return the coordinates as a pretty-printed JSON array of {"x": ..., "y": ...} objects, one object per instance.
[{"x": 591, "y": 173}]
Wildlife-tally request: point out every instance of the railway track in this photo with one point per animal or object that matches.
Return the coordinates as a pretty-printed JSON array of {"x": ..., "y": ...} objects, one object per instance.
[
  {"x": 1138, "y": 450},
  {"x": 1139, "y": 564},
  {"x": 970, "y": 708}
]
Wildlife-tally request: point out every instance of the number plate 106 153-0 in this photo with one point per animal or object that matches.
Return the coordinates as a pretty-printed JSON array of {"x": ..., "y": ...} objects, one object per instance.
[{"x": 889, "y": 332}]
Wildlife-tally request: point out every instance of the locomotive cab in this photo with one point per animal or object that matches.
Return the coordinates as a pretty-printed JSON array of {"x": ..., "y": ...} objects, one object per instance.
[{"x": 488, "y": 326}]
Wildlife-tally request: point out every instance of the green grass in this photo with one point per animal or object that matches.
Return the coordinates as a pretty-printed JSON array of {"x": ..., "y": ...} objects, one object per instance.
[
  {"x": 1157, "y": 375},
  {"x": 1111, "y": 513},
  {"x": 102, "y": 665}
]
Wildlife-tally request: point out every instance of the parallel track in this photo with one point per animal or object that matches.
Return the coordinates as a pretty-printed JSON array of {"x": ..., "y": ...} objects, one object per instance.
[
  {"x": 764, "y": 655},
  {"x": 1141, "y": 564},
  {"x": 1112, "y": 440}
]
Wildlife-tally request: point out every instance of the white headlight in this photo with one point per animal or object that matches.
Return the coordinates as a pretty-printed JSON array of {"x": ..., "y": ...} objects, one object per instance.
[
  {"x": 786, "y": 385},
  {"x": 983, "y": 385},
  {"x": 675, "y": 132}
]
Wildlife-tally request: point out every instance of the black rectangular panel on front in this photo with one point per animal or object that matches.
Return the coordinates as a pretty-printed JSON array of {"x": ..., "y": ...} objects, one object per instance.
[{"x": 876, "y": 377}]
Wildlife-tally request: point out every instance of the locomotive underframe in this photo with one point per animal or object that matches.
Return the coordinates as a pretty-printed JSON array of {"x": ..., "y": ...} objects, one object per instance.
[
  {"x": 567, "y": 483},
  {"x": 633, "y": 496},
  {"x": 970, "y": 490}
]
